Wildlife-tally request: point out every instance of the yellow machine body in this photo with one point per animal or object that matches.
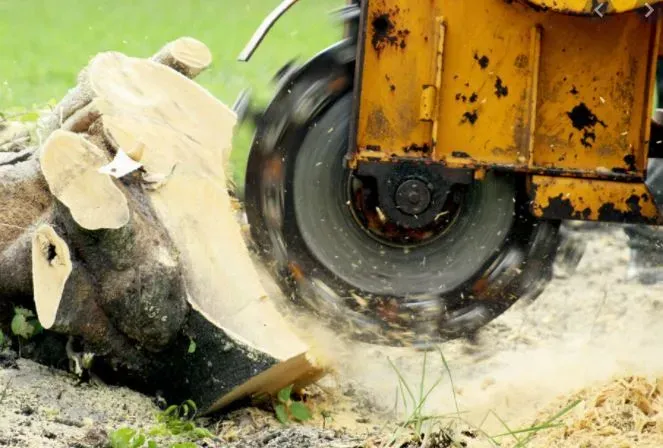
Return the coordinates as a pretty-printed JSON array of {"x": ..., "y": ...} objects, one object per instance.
[
  {"x": 589, "y": 7},
  {"x": 517, "y": 86}
]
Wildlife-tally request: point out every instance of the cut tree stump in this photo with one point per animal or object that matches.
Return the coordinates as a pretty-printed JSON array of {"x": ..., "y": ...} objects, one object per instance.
[{"x": 147, "y": 270}]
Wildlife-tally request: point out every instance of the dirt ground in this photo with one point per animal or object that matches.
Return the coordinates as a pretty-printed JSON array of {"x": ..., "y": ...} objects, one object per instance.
[{"x": 591, "y": 338}]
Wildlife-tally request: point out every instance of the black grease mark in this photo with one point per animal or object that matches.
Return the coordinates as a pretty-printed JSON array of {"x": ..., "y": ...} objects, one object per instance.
[
  {"x": 584, "y": 120},
  {"x": 609, "y": 213},
  {"x": 581, "y": 117},
  {"x": 562, "y": 208},
  {"x": 629, "y": 160},
  {"x": 373, "y": 148},
  {"x": 633, "y": 203},
  {"x": 392, "y": 87},
  {"x": 500, "y": 89},
  {"x": 470, "y": 117},
  {"x": 382, "y": 32},
  {"x": 461, "y": 97},
  {"x": 460, "y": 155},
  {"x": 473, "y": 97},
  {"x": 424, "y": 149},
  {"x": 483, "y": 60},
  {"x": 586, "y": 137},
  {"x": 557, "y": 206},
  {"x": 385, "y": 33},
  {"x": 574, "y": 91}
]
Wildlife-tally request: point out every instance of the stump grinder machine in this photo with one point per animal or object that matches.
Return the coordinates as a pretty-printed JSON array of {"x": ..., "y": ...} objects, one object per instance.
[{"x": 408, "y": 183}]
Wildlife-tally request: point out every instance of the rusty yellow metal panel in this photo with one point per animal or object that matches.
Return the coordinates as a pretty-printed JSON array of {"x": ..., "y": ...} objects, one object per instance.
[
  {"x": 594, "y": 115},
  {"x": 399, "y": 61},
  {"x": 484, "y": 101},
  {"x": 589, "y": 6},
  {"x": 519, "y": 88},
  {"x": 594, "y": 200}
]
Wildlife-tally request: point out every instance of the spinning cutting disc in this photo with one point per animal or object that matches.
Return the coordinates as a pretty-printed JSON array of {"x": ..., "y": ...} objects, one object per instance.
[{"x": 338, "y": 256}]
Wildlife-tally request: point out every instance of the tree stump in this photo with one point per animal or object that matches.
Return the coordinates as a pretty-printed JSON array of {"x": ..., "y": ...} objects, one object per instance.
[{"x": 118, "y": 229}]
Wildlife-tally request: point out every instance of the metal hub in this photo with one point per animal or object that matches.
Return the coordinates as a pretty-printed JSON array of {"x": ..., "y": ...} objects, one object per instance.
[{"x": 413, "y": 197}]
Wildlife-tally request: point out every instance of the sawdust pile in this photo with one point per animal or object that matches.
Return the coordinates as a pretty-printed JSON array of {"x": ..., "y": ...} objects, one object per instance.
[{"x": 625, "y": 413}]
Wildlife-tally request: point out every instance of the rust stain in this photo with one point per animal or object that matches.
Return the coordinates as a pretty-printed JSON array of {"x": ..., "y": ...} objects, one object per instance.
[
  {"x": 385, "y": 32},
  {"x": 378, "y": 125},
  {"x": 522, "y": 61},
  {"x": 413, "y": 148}
]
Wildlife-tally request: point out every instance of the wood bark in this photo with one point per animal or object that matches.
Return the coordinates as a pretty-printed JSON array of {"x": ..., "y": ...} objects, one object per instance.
[{"x": 144, "y": 267}]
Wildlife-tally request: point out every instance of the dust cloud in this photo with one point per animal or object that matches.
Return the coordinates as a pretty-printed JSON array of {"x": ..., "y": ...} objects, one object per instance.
[{"x": 585, "y": 329}]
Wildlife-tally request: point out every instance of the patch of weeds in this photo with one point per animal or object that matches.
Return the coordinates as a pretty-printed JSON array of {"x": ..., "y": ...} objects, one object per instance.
[
  {"x": 175, "y": 422},
  {"x": 417, "y": 418},
  {"x": 287, "y": 409},
  {"x": 25, "y": 324},
  {"x": 127, "y": 438},
  {"x": 441, "y": 427}
]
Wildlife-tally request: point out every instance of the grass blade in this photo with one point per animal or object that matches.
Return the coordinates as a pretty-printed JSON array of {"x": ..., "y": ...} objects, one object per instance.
[
  {"x": 509, "y": 430},
  {"x": 402, "y": 380},
  {"x": 549, "y": 422},
  {"x": 423, "y": 379},
  {"x": 451, "y": 380}
]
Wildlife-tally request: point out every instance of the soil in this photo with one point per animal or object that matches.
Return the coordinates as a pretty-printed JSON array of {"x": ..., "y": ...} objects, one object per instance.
[{"x": 591, "y": 337}]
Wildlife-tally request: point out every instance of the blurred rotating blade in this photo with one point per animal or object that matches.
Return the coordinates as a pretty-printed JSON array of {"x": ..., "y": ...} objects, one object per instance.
[{"x": 297, "y": 208}]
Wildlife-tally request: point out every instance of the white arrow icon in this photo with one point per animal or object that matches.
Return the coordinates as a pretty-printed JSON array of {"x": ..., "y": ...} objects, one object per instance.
[
  {"x": 650, "y": 9},
  {"x": 597, "y": 10}
]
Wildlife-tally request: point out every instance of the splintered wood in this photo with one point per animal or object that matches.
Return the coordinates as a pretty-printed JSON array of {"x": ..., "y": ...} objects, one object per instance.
[
  {"x": 159, "y": 237},
  {"x": 70, "y": 165}
]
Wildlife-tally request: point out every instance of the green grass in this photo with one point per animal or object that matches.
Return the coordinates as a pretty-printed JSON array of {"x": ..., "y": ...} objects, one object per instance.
[{"x": 44, "y": 43}]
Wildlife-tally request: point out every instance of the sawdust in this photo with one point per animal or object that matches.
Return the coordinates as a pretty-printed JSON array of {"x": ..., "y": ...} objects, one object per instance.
[{"x": 625, "y": 413}]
